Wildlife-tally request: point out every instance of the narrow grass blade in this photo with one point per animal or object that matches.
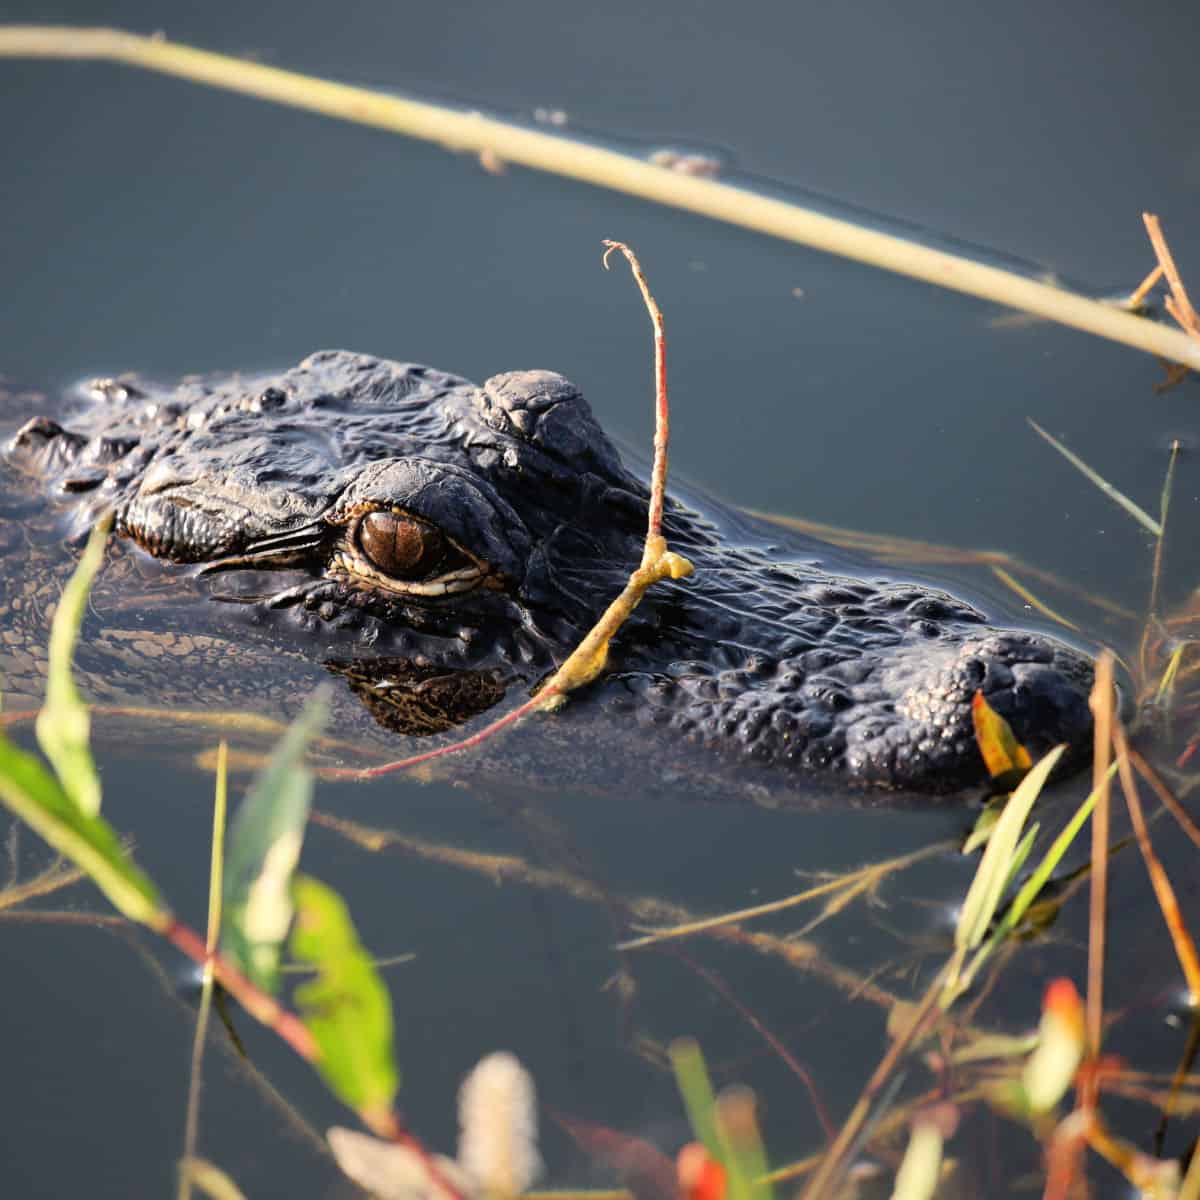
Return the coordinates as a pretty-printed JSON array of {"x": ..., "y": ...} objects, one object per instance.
[
  {"x": 216, "y": 871},
  {"x": 264, "y": 849},
  {"x": 746, "y": 1160},
  {"x": 1164, "y": 507},
  {"x": 346, "y": 1007},
  {"x": 1050, "y": 861},
  {"x": 1139, "y": 514},
  {"x": 1031, "y": 598},
  {"x": 691, "y": 1077},
  {"x": 63, "y": 725},
  {"x": 35, "y": 796},
  {"x": 726, "y": 1127},
  {"x": 995, "y": 868},
  {"x": 1164, "y": 891}
]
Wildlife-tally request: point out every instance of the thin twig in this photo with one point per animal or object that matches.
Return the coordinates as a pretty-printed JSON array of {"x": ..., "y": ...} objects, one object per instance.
[
  {"x": 1101, "y": 704},
  {"x": 789, "y": 1060},
  {"x": 1164, "y": 507},
  {"x": 1166, "y": 797},
  {"x": 1178, "y": 304},
  {"x": 662, "y": 423},
  {"x": 590, "y": 657},
  {"x": 1164, "y": 893},
  {"x": 1144, "y": 288},
  {"x": 557, "y": 154}
]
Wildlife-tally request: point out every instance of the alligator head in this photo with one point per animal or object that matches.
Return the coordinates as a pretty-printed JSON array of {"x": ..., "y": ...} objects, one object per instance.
[{"x": 442, "y": 543}]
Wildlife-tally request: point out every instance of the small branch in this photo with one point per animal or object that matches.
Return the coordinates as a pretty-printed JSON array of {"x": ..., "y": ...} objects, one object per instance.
[
  {"x": 501, "y": 141},
  {"x": 662, "y": 423},
  {"x": 1143, "y": 289},
  {"x": 1178, "y": 304},
  {"x": 590, "y": 657},
  {"x": 1185, "y": 948}
]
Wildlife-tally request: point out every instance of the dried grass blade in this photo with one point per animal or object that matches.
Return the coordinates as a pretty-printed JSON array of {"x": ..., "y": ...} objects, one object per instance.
[
  {"x": 1101, "y": 703},
  {"x": 855, "y": 883},
  {"x": 1166, "y": 796},
  {"x": 1138, "y": 513},
  {"x": 1185, "y": 947},
  {"x": 1181, "y": 308},
  {"x": 1041, "y": 606}
]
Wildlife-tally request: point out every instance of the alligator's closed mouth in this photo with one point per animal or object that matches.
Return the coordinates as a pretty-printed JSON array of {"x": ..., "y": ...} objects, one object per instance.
[{"x": 463, "y": 539}]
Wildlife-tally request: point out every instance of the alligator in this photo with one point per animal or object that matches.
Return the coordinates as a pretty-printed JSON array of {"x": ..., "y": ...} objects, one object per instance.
[{"x": 440, "y": 545}]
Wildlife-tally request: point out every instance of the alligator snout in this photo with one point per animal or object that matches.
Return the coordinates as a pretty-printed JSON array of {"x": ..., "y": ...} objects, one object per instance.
[{"x": 1039, "y": 686}]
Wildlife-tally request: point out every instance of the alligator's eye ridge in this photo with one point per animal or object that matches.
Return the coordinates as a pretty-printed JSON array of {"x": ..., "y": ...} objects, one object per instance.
[{"x": 401, "y": 546}]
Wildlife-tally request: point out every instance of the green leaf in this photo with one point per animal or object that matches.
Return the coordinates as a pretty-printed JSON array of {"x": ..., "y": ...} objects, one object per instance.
[
  {"x": 995, "y": 867},
  {"x": 264, "y": 848},
  {"x": 347, "y": 1007},
  {"x": 63, "y": 725},
  {"x": 738, "y": 1148},
  {"x": 33, "y": 793}
]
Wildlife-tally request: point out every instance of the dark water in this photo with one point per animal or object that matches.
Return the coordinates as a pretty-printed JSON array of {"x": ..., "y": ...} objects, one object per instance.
[{"x": 152, "y": 225}]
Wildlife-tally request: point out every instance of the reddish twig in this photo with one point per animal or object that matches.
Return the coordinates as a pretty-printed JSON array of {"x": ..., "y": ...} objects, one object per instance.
[
  {"x": 662, "y": 425},
  {"x": 588, "y": 659},
  {"x": 1178, "y": 304},
  {"x": 264, "y": 1008},
  {"x": 793, "y": 1064}
]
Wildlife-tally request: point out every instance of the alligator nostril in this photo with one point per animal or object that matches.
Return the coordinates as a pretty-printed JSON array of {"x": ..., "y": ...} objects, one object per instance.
[{"x": 1046, "y": 705}]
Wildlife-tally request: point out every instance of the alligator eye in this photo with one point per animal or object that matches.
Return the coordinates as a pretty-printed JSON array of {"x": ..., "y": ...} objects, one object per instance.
[{"x": 401, "y": 546}]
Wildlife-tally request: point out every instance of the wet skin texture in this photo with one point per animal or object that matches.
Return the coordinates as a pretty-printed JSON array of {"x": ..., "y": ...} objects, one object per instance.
[{"x": 446, "y": 543}]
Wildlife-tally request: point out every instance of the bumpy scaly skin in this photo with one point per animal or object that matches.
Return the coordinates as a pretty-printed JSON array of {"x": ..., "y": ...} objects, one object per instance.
[{"x": 763, "y": 654}]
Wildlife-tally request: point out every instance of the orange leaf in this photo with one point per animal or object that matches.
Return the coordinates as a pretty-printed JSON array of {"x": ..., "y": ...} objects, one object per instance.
[{"x": 1002, "y": 753}]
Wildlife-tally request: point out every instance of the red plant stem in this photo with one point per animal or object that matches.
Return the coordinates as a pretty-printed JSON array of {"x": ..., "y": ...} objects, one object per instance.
[
  {"x": 387, "y": 1125},
  {"x": 266, "y": 1009},
  {"x": 793, "y": 1064},
  {"x": 653, "y": 552},
  {"x": 402, "y": 764},
  {"x": 261, "y": 1006}
]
